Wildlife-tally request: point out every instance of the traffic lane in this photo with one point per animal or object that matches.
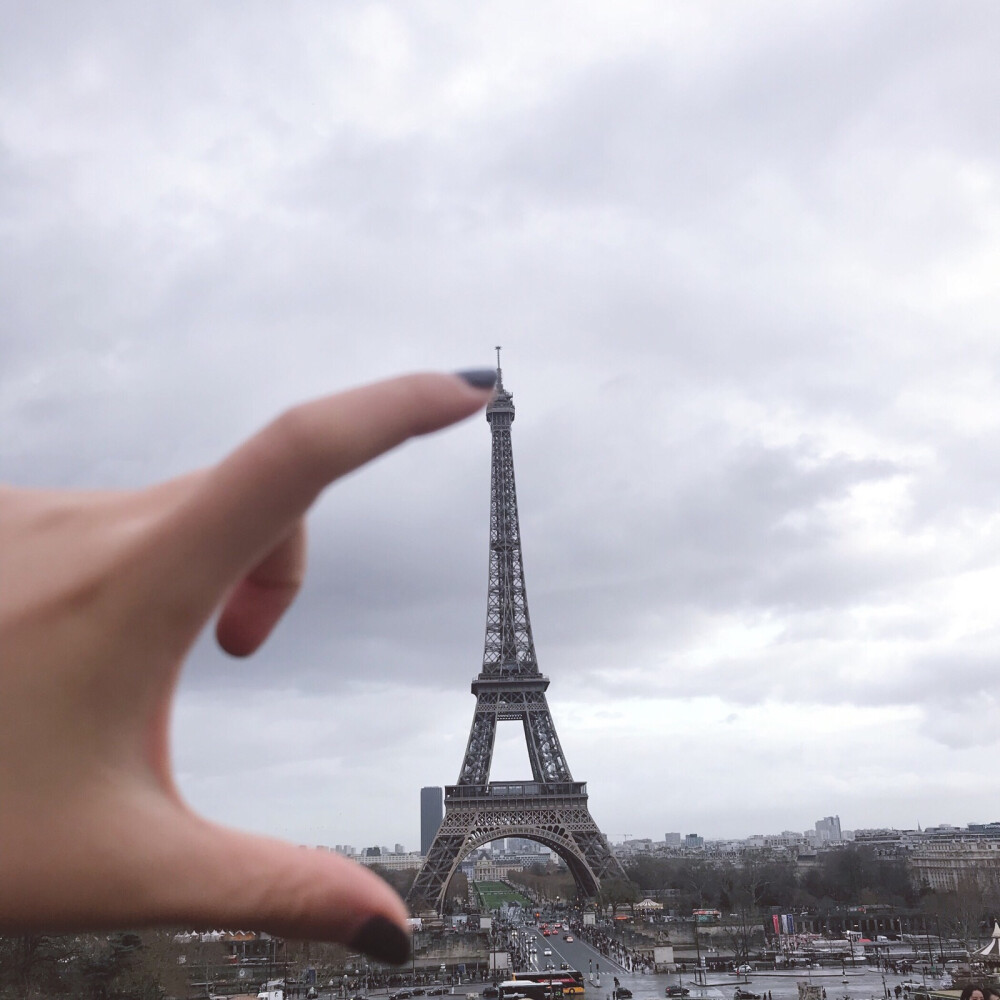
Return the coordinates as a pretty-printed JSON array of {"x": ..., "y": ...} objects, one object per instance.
[
  {"x": 576, "y": 953},
  {"x": 583, "y": 954}
]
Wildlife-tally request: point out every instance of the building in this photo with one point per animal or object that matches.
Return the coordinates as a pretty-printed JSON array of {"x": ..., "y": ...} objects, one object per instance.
[
  {"x": 431, "y": 814},
  {"x": 671, "y": 840},
  {"x": 392, "y": 862},
  {"x": 828, "y": 830},
  {"x": 638, "y": 845},
  {"x": 885, "y": 842},
  {"x": 520, "y": 845},
  {"x": 486, "y": 870},
  {"x": 947, "y": 865}
]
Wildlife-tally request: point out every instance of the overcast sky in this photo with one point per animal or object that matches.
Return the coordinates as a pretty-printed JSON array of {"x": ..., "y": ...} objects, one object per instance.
[{"x": 744, "y": 262}]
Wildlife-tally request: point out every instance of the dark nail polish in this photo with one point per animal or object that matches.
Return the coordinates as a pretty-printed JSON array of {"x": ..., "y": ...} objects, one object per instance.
[
  {"x": 384, "y": 941},
  {"x": 479, "y": 378}
]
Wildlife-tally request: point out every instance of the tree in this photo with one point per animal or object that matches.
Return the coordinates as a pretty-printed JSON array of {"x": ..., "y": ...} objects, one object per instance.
[
  {"x": 616, "y": 892},
  {"x": 400, "y": 879},
  {"x": 745, "y": 885},
  {"x": 545, "y": 884},
  {"x": 30, "y": 964},
  {"x": 961, "y": 914},
  {"x": 111, "y": 968}
]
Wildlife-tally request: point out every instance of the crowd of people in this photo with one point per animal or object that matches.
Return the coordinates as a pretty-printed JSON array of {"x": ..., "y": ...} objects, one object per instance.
[{"x": 631, "y": 959}]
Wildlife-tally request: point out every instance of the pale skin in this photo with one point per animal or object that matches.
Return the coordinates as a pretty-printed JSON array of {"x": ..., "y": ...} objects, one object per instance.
[{"x": 101, "y": 597}]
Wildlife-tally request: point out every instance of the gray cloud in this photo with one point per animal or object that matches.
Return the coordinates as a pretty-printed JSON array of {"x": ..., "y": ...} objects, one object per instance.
[{"x": 743, "y": 266}]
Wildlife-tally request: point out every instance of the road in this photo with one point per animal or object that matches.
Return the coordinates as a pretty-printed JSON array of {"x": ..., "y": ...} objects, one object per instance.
[
  {"x": 863, "y": 984},
  {"x": 576, "y": 953}
]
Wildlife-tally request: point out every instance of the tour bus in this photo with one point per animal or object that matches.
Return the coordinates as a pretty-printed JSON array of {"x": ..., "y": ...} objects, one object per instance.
[
  {"x": 569, "y": 980},
  {"x": 531, "y": 989}
]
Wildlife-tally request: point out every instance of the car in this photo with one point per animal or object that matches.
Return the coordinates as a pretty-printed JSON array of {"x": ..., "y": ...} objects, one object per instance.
[
  {"x": 564, "y": 965},
  {"x": 621, "y": 993},
  {"x": 677, "y": 991},
  {"x": 489, "y": 991},
  {"x": 439, "y": 991},
  {"x": 419, "y": 991},
  {"x": 744, "y": 969},
  {"x": 547, "y": 952},
  {"x": 549, "y": 965},
  {"x": 745, "y": 995}
]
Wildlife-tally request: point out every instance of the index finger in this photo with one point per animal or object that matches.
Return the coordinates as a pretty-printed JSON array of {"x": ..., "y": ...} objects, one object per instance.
[{"x": 251, "y": 499}]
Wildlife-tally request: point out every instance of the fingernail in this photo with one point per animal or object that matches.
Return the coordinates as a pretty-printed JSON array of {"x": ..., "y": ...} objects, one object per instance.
[
  {"x": 384, "y": 941},
  {"x": 479, "y": 378}
]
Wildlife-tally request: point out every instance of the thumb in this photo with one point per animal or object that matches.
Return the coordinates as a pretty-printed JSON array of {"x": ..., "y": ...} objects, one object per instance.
[{"x": 235, "y": 879}]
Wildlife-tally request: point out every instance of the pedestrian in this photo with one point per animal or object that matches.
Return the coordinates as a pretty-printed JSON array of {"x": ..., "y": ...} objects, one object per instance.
[{"x": 972, "y": 991}]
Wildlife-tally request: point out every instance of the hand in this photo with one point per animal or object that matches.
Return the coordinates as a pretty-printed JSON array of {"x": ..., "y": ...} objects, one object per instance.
[{"x": 101, "y": 597}]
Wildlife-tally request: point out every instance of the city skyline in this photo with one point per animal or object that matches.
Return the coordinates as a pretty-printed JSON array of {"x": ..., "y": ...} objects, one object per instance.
[
  {"x": 742, "y": 262},
  {"x": 845, "y": 836}
]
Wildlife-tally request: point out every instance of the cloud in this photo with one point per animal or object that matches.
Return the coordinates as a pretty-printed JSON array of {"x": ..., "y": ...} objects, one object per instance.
[{"x": 743, "y": 266}]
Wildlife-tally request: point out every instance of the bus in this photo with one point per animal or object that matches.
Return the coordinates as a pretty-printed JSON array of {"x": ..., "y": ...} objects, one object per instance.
[
  {"x": 531, "y": 989},
  {"x": 569, "y": 980}
]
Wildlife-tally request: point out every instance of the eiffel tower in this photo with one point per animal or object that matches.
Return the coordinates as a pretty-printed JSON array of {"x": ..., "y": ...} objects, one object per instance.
[{"x": 550, "y": 808}]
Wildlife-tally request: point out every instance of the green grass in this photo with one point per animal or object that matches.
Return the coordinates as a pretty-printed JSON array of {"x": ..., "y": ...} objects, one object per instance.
[{"x": 492, "y": 895}]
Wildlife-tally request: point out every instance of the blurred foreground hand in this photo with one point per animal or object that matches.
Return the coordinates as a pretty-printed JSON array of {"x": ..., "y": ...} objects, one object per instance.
[{"x": 101, "y": 597}]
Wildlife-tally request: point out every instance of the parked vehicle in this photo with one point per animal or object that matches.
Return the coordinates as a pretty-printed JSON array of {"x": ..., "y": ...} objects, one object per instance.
[{"x": 677, "y": 991}]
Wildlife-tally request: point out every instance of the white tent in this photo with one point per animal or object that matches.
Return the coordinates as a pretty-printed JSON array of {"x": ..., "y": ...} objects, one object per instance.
[
  {"x": 991, "y": 953},
  {"x": 648, "y": 904}
]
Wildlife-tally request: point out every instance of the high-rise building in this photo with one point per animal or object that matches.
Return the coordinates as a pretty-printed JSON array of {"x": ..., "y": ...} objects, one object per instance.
[
  {"x": 828, "y": 830},
  {"x": 431, "y": 814},
  {"x": 672, "y": 839}
]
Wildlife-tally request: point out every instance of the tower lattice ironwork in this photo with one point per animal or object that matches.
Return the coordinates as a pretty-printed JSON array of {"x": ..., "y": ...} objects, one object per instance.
[{"x": 550, "y": 808}]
